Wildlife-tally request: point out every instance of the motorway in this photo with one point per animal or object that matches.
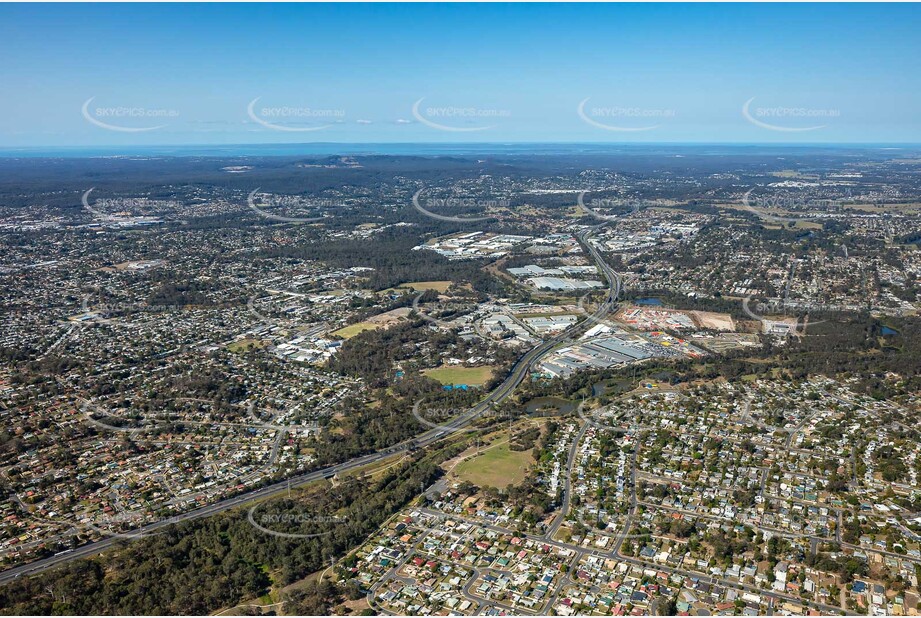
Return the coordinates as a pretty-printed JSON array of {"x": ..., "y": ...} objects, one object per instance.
[
  {"x": 517, "y": 374},
  {"x": 615, "y": 287},
  {"x": 615, "y": 281}
]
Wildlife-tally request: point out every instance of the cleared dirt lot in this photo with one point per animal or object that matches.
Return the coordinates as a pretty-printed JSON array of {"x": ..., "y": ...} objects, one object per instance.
[{"x": 716, "y": 321}]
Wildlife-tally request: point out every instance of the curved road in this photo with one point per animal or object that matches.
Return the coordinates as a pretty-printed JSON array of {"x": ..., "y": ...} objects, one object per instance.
[{"x": 516, "y": 375}]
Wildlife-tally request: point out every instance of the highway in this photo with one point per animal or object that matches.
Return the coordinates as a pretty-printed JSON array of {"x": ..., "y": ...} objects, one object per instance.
[
  {"x": 615, "y": 281},
  {"x": 518, "y": 372}
]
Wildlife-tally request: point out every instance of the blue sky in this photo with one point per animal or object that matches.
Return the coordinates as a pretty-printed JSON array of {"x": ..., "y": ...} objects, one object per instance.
[{"x": 186, "y": 74}]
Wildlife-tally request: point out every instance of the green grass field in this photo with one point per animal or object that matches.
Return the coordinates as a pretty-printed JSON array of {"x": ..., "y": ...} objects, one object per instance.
[
  {"x": 497, "y": 467},
  {"x": 474, "y": 376},
  {"x": 354, "y": 329},
  {"x": 243, "y": 344}
]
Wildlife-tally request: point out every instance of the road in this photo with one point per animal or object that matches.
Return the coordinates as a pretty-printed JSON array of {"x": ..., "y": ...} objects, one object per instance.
[
  {"x": 567, "y": 482},
  {"x": 580, "y": 552},
  {"x": 615, "y": 281},
  {"x": 712, "y": 580},
  {"x": 517, "y": 374}
]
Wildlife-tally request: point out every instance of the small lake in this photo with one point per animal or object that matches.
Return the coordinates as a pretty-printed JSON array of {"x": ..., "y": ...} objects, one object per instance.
[
  {"x": 549, "y": 405},
  {"x": 889, "y": 331},
  {"x": 652, "y": 302}
]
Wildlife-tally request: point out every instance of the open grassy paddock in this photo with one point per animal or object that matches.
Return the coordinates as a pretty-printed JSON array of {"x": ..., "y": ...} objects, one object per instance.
[
  {"x": 497, "y": 466},
  {"x": 474, "y": 376}
]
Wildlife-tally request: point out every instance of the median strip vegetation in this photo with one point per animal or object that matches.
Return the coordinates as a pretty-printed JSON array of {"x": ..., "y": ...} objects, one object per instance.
[{"x": 200, "y": 566}]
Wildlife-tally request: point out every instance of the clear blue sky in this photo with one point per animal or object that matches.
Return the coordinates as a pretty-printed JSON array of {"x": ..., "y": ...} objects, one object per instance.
[{"x": 680, "y": 72}]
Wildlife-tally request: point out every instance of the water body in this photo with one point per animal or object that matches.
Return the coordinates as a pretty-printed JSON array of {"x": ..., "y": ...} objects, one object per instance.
[
  {"x": 889, "y": 331},
  {"x": 447, "y": 149},
  {"x": 550, "y": 406},
  {"x": 653, "y": 302}
]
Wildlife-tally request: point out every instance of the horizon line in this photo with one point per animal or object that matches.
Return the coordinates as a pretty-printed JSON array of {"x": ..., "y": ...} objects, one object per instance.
[
  {"x": 86, "y": 151},
  {"x": 458, "y": 143}
]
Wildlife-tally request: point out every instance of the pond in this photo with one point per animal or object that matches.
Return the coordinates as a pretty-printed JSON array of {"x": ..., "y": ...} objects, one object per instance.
[{"x": 549, "y": 405}]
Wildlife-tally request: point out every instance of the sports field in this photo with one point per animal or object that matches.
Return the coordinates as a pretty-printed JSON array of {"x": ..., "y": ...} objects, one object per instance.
[
  {"x": 241, "y": 345},
  {"x": 354, "y": 329},
  {"x": 498, "y": 467},
  {"x": 474, "y": 376}
]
